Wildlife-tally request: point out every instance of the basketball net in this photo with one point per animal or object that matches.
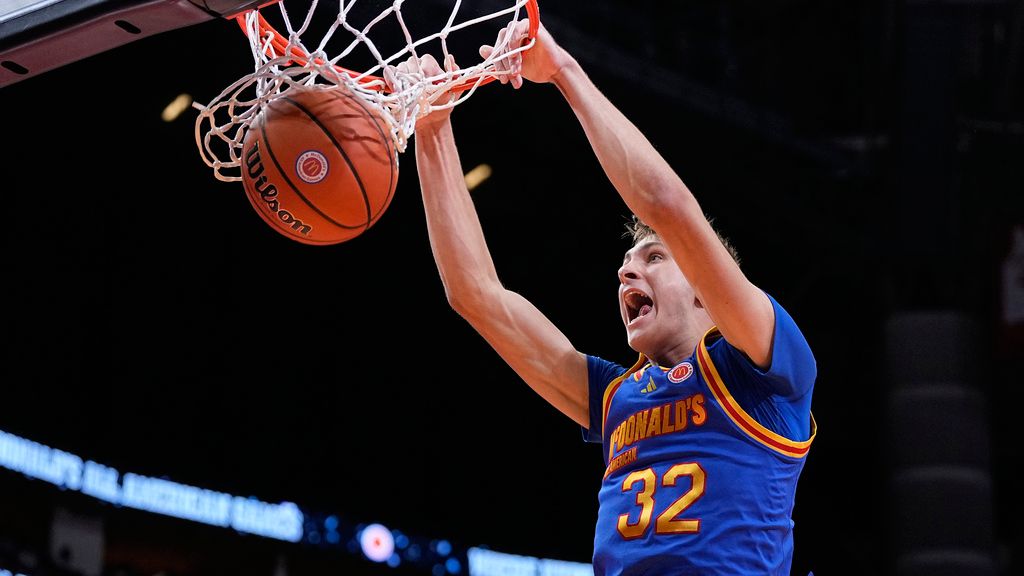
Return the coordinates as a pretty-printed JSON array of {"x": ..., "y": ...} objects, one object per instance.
[{"x": 285, "y": 60}]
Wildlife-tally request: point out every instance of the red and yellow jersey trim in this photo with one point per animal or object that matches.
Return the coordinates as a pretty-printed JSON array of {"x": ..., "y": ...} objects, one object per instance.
[
  {"x": 744, "y": 421},
  {"x": 609, "y": 393}
]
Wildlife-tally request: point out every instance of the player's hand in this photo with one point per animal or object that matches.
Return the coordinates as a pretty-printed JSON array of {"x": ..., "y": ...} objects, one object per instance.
[
  {"x": 538, "y": 64},
  {"x": 425, "y": 66}
]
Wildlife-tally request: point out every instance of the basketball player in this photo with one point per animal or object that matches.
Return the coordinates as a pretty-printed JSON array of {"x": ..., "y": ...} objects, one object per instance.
[{"x": 706, "y": 433}]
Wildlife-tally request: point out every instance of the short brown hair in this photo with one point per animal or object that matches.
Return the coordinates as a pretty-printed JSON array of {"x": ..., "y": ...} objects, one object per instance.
[{"x": 637, "y": 230}]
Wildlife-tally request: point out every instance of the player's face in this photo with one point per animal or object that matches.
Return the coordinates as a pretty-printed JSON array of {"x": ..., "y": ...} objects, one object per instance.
[{"x": 655, "y": 299}]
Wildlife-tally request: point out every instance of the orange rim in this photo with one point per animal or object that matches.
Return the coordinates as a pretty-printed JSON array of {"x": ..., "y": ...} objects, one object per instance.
[{"x": 301, "y": 57}]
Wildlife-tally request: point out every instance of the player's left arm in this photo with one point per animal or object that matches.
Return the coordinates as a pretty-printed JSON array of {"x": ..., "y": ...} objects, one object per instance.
[
  {"x": 741, "y": 311},
  {"x": 655, "y": 193}
]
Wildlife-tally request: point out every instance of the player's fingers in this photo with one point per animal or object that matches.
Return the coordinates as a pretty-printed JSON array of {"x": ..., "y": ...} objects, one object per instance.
[
  {"x": 517, "y": 32},
  {"x": 517, "y": 71},
  {"x": 412, "y": 65},
  {"x": 450, "y": 67},
  {"x": 501, "y": 36},
  {"x": 485, "y": 52},
  {"x": 522, "y": 30},
  {"x": 500, "y": 66},
  {"x": 509, "y": 34},
  {"x": 429, "y": 65}
]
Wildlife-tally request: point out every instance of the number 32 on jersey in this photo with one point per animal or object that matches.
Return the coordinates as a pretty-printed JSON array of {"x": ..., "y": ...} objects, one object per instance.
[{"x": 646, "y": 483}]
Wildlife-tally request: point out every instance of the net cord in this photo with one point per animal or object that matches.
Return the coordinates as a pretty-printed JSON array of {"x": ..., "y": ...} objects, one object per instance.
[{"x": 283, "y": 62}]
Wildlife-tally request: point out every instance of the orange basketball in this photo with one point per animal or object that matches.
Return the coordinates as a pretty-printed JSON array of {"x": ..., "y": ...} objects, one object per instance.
[{"x": 319, "y": 165}]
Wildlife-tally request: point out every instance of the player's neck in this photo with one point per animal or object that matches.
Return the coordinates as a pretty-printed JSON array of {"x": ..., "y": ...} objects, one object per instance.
[{"x": 672, "y": 355}]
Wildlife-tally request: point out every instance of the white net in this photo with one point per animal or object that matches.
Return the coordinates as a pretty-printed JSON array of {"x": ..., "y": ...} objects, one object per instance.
[{"x": 365, "y": 37}]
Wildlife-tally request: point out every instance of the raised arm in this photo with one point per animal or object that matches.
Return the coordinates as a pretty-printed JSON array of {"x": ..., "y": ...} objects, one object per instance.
[
  {"x": 655, "y": 193},
  {"x": 535, "y": 349}
]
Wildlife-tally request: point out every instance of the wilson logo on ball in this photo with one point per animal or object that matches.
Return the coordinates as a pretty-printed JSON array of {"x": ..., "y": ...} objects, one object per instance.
[
  {"x": 267, "y": 192},
  {"x": 311, "y": 166}
]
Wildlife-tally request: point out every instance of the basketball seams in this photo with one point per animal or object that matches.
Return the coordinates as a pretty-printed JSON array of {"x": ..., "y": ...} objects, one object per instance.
[
  {"x": 316, "y": 121},
  {"x": 388, "y": 143},
  {"x": 344, "y": 155},
  {"x": 284, "y": 173}
]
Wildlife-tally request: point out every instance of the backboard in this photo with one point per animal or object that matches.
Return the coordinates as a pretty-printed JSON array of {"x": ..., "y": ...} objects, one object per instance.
[{"x": 40, "y": 35}]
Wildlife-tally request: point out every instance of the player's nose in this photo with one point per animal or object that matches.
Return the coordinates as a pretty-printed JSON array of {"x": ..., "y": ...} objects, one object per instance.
[{"x": 628, "y": 272}]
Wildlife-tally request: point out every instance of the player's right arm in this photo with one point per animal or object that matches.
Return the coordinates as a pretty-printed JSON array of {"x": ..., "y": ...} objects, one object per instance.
[{"x": 523, "y": 336}]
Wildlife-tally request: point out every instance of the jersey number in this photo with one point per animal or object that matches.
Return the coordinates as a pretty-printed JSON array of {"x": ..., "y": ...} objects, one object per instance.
[{"x": 667, "y": 522}]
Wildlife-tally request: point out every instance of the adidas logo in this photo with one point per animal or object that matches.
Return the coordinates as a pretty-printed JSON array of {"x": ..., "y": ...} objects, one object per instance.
[{"x": 649, "y": 388}]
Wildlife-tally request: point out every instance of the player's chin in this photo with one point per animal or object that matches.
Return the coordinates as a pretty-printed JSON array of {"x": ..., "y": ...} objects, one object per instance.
[
  {"x": 642, "y": 332},
  {"x": 634, "y": 337}
]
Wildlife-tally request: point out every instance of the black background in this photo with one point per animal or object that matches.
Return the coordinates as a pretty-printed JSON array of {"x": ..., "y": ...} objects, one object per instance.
[{"x": 863, "y": 164}]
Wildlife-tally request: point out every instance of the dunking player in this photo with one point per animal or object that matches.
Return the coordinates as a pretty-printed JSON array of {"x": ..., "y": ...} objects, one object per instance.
[{"x": 706, "y": 434}]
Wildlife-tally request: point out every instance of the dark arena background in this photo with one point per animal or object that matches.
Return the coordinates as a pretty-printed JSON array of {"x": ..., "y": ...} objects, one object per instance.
[{"x": 186, "y": 392}]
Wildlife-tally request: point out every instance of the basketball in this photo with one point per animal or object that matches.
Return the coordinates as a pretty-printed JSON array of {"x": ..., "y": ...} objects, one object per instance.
[{"x": 319, "y": 165}]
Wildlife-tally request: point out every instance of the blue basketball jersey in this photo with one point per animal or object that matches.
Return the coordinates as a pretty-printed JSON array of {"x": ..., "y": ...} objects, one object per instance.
[{"x": 702, "y": 458}]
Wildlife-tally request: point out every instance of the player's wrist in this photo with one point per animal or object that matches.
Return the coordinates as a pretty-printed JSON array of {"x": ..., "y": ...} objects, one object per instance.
[
  {"x": 433, "y": 126},
  {"x": 565, "y": 73}
]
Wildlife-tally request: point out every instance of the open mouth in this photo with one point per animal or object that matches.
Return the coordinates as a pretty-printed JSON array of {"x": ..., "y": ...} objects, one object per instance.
[{"x": 637, "y": 304}]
